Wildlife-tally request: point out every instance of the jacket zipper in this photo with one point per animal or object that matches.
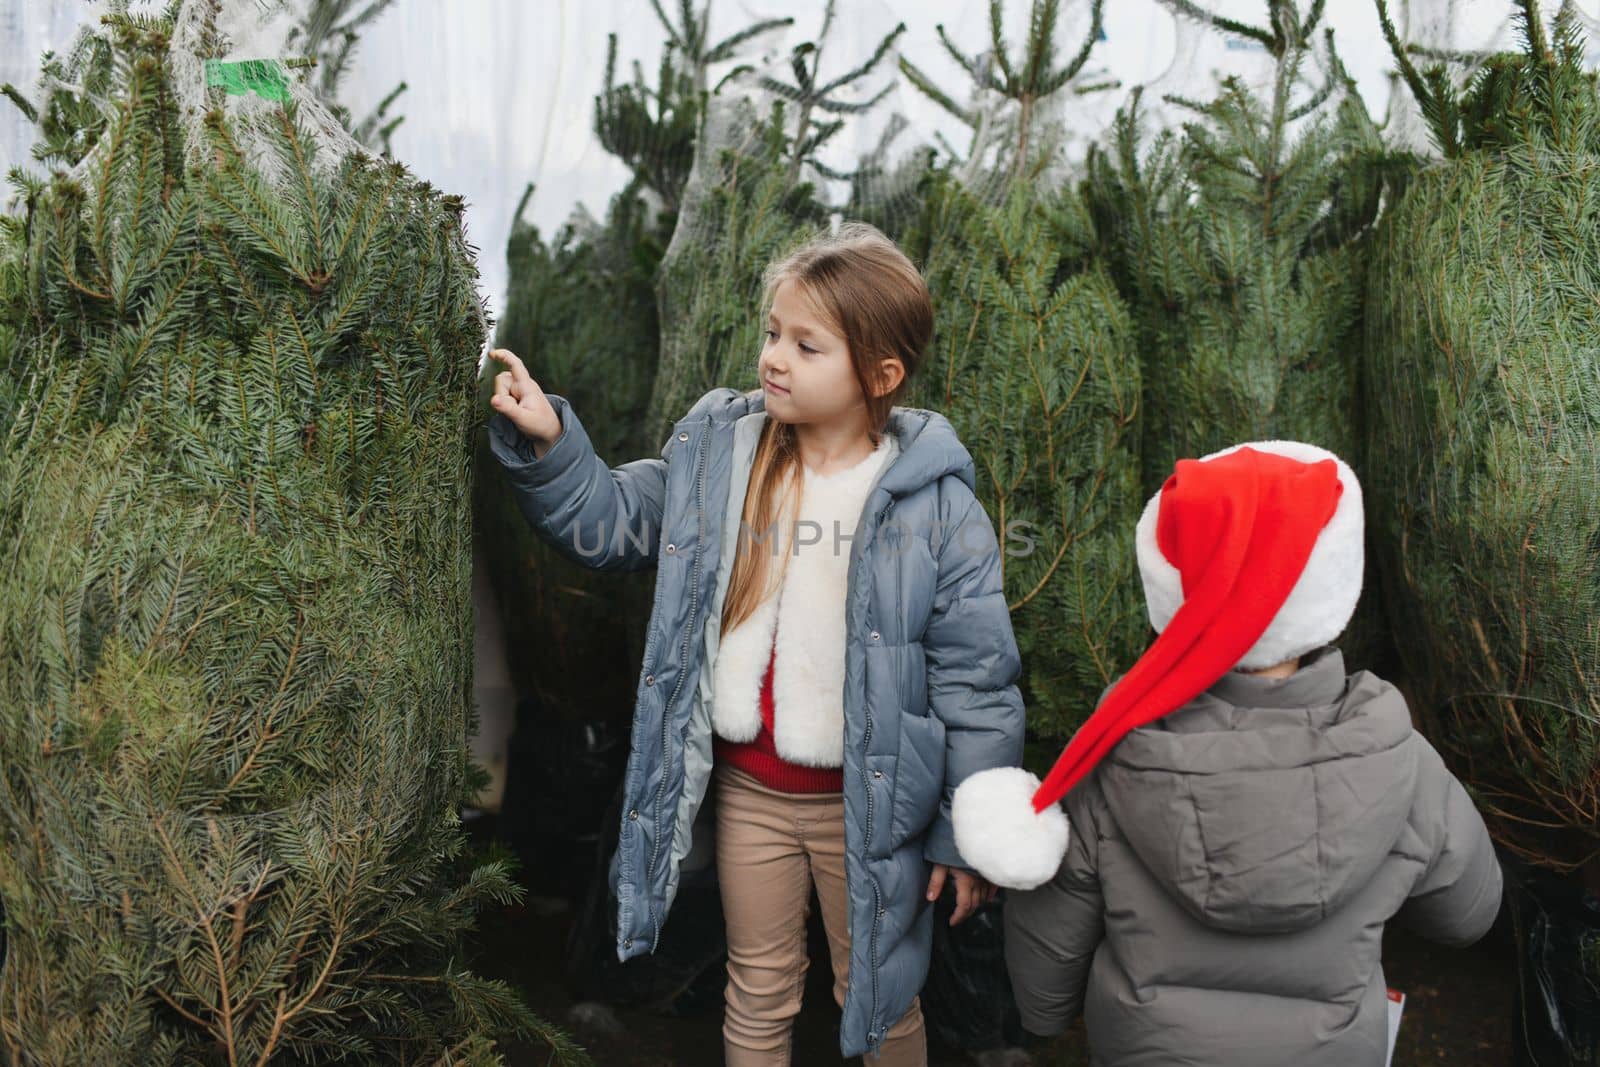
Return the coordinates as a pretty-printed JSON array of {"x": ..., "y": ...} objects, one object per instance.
[
  {"x": 649, "y": 652},
  {"x": 683, "y": 666},
  {"x": 866, "y": 784}
]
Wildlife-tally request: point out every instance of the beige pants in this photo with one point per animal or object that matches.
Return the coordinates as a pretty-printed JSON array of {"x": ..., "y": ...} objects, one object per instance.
[{"x": 771, "y": 846}]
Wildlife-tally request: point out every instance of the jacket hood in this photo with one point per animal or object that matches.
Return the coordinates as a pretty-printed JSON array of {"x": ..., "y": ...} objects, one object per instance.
[
  {"x": 1265, "y": 804},
  {"x": 929, "y": 447}
]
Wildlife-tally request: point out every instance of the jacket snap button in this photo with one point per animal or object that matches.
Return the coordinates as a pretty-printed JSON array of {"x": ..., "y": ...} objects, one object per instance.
[
  {"x": 649, "y": 679},
  {"x": 670, "y": 549},
  {"x": 874, "y": 635},
  {"x": 627, "y": 944},
  {"x": 634, "y": 814},
  {"x": 877, "y": 774},
  {"x": 683, "y": 437}
]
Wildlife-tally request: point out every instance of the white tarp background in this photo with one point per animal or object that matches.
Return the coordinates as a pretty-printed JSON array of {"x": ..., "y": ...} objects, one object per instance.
[{"x": 501, "y": 92}]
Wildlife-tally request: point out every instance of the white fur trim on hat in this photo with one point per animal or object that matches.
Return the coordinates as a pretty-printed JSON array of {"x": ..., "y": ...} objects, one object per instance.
[
  {"x": 1000, "y": 835},
  {"x": 1320, "y": 604}
]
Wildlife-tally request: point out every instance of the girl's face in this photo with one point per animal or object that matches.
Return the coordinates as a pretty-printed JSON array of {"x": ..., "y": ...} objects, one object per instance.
[{"x": 806, "y": 371}]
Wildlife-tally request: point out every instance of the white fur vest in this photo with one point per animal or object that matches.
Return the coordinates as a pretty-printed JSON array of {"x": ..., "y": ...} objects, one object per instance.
[{"x": 806, "y": 614}]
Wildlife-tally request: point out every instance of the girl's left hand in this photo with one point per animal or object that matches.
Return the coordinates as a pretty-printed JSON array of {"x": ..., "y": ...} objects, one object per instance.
[{"x": 971, "y": 890}]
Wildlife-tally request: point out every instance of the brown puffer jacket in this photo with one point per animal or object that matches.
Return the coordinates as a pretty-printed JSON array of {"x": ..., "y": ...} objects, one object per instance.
[{"x": 1230, "y": 872}]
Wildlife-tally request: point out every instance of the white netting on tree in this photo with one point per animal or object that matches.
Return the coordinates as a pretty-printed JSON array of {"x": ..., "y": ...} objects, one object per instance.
[
  {"x": 245, "y": 60},
  {"x": 1465, "y": 32},
  {"x": 1481, "y": 344},
  {"x": 236, "y": 374},
  {"x": 233, "y": 58}
]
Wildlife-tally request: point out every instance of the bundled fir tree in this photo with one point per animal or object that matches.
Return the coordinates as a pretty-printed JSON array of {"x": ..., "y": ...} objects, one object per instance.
[
  {"x": 1483, "y": 383},
  {"x": 1015, "y": 105},
  {"x": 653, "y": 130},
  {"x": 12, "y": 237},
  {"x": 749, "y": 198},
  {"x": 328, "y": 32},
  {"x": 1238, "y": 243},
  {"x": 1034, "y": 363},
  {"x": 235, "y": 690},
  {"x": 741, "y": 210},
  {"x": 581, "y": 308}
]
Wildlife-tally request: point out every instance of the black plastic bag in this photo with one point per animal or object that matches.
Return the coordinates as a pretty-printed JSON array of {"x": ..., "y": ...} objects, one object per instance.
[
  {"x": 560, "y": 775},
  {"x": 1557, "y": 925},
  {"x": 967, "y": 1001}
]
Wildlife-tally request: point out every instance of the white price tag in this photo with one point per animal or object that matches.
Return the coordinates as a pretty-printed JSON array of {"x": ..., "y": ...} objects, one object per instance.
[{"x": 1397, "y": 1004}]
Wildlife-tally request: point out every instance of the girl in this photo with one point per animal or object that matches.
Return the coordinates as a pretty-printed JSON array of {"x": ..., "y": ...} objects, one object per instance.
[{"x": 830, "y": 643}]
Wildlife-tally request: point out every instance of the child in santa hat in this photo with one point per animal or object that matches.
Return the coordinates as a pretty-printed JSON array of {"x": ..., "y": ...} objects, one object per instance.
[{"x": 1242, "y": 816}]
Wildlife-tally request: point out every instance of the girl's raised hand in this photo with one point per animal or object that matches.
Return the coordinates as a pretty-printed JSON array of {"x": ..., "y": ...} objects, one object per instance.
[{"x": 518, "y": 397}]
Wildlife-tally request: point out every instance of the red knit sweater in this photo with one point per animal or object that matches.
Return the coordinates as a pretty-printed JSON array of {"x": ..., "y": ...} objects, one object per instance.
[{"x": 759, "y": 758}]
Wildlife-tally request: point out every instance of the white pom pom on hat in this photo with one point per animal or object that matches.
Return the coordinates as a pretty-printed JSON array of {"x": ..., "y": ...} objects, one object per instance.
[{"x": 1000, "y": 835}]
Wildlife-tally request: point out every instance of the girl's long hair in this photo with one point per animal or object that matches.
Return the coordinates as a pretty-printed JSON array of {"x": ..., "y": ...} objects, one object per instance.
[{"x": 873, "y": 297}]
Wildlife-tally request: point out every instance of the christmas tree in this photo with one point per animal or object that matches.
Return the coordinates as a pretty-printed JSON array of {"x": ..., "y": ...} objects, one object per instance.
[
  {"x": 749, "y": 199},
  {"x": 328, "y": 31},
  {"x": 1034, "y": 364},
  {"x": 12, "y": 236},
  {"x": 233, "y": 485},
  {"x": 1483, "y": 383},
  {"x": 1240, "y": 241},
  {"x": 581, "y": 308},
  {"x": 1015, "y": 104},
  {"x": 1237, "y": 242},
  {"x": 742, "y": 209}
]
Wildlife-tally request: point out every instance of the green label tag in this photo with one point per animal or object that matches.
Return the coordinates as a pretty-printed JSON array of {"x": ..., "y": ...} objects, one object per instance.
[{"x": 264, "y": 77}]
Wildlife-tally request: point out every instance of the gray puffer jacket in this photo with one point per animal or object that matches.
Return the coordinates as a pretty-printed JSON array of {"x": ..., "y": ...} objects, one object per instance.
[
  {"x": 1230, "y": 872},
  {"x": 931, "y": 662}
]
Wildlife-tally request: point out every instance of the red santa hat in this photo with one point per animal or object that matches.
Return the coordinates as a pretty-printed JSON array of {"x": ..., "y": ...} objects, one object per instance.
[{"x": 1250, "y": 557}]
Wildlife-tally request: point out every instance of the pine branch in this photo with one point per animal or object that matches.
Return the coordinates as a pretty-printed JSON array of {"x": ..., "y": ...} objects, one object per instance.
[
  {"x": 865, "y": 68},
  {"x": 1049, "y": 85},
  {"x": 923, "y": 84},
  {"x": 22, "y": 103},
  {"x": 997, "y": 41},
  {"x": 729, "y": 46},
  {"x": 979, "y": 68},
  {"x": 838, "y": 107},
  {"x": 1191, "y": 10},
  {"x": 1432, "y": 99}
]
